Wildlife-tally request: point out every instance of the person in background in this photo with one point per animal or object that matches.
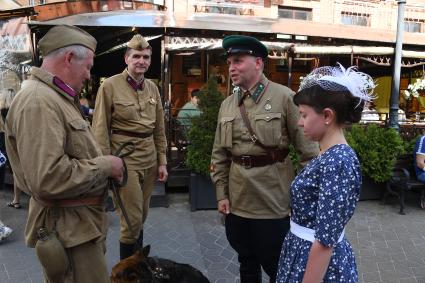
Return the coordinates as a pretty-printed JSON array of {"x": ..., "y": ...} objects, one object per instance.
[
  {"x": 5, "y": 102},
  {"x": 188, "y": 111},
  {"x": 56, "y": 160},
  {"x": 250, "y": 166},
  {"x": 325, "y": 193},
  {"x": 4, "y": 230},
  {"x": 419, "y": 160},
  {"x": 129, "y": 109}
]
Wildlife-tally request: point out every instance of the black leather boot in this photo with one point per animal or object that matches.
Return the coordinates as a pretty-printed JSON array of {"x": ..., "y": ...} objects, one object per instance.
[
  {"x": 140, "y": 239},
  {"x": 126, "y": 250}
]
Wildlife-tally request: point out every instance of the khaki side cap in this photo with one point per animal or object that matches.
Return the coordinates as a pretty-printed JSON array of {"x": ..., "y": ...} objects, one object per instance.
[
  {"x": 63, "y": 36},
  {"x": 138, "y": 42}
]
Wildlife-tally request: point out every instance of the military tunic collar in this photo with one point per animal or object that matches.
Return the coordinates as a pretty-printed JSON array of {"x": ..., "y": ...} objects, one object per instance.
[
  {"x": 54, "y": 82},
  {"x": 133, "y": 83},
  {"x": 256, "y": 92}
]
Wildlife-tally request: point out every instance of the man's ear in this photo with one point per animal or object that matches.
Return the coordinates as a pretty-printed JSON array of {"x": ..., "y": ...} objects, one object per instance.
[{"x": 69, "y": 56}]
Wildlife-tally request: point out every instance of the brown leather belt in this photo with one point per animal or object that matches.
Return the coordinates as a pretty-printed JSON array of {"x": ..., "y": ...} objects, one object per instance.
[
  {"x": 249, "y": 161},
  {"x": 131, "y": 134},
  {"x": 89, "y": 201}
]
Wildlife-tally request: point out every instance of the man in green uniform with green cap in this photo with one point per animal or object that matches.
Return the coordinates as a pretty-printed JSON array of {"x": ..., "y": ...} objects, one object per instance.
[
  {"x": 250, "y": 165},
  {"x": 56, "y": 160}
]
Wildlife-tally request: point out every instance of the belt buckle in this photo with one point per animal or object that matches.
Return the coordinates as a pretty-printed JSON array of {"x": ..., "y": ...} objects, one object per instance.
[{"x": 246, "y": 161}]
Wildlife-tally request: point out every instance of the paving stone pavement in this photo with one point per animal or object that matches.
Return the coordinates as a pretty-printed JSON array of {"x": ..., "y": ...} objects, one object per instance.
[{"x": 389, "y": 247}]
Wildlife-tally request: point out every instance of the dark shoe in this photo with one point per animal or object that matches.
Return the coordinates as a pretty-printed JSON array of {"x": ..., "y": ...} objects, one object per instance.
[
  {"x": 16, "y": 205},
  {"x": 126, "y": 250},
  {"x": 254, "y": 278},
  {"x": 140, "y": 239}
]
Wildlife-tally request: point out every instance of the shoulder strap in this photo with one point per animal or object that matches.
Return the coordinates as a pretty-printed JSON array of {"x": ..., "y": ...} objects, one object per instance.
[{"x": 252, "y": 134}]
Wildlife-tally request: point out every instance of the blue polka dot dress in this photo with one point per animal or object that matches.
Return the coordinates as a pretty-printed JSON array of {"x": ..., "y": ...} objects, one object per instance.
[{"x": 323, "y": 198}]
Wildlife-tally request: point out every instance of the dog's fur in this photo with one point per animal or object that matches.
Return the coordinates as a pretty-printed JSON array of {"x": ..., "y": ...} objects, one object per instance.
[{"x": 140, "y": 268}]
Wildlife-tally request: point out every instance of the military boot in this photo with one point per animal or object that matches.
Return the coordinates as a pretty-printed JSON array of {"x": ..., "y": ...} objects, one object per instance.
[{"x": 126, "y": 250}]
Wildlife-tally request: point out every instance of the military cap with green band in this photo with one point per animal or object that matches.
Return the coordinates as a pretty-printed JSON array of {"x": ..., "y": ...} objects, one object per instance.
[
  {"x": 241, "y": 44},
  {"x": 63, "y": 36},
  {"x": 138, "y": 42}
]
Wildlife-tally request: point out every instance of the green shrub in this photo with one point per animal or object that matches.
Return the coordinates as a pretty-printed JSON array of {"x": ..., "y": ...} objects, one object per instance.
[
  {"x": 202, "y": 132},
  {"x": 377, "y": 149}
]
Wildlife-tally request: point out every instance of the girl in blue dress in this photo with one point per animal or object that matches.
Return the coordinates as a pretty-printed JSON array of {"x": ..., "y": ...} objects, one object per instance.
[{"x": 325, "y": 193}]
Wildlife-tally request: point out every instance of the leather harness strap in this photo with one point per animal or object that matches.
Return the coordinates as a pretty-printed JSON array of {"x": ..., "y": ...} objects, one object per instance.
[
  {"x": 249, "y": 161},
  {"x": 273, "y": 154}
]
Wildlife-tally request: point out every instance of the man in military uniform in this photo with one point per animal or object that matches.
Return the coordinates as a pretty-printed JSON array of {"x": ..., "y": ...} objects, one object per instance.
[
  {"x": 250, "y": 165},
  {"x": 128, "y": 109},
  {"x": 56, "y": 159}
]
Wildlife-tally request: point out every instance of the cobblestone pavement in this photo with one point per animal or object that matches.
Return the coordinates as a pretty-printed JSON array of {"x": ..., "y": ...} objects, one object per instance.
[{"x": 389, "y": 247}]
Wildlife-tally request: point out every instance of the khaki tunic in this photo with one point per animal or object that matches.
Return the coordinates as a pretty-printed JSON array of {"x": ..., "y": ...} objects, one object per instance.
[
  {"x": 258, "y": 192},
  {"x": 120, "y": 107},
  {"x": 54, "y": 156}
]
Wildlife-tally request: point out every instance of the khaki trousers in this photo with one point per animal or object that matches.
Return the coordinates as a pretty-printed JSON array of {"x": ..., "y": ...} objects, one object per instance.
[
  {"x": 88, "y": 264},
  {"x": 136, "y": 196}
]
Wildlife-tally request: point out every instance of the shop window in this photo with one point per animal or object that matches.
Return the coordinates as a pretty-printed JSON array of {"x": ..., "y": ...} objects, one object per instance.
[
  {"x": 413, "y": 25},
  {"x": 355, "y": 19},
  {"x": 192, "y": 65},
  {"x": 296, "y": 13}
]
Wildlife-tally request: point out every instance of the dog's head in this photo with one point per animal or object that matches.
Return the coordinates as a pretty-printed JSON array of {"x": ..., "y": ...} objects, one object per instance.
[{"x": 134, "y": 269}]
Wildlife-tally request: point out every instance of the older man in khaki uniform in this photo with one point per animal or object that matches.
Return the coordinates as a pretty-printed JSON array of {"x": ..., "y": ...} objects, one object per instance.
[
  {"x": 56, "y": 159},
  {"x": 250, "y": 165},
  {"x": 129, "y": 109}
]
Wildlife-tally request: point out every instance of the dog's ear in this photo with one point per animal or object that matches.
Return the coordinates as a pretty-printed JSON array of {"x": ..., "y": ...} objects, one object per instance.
[{"x": 146, "y": 250}]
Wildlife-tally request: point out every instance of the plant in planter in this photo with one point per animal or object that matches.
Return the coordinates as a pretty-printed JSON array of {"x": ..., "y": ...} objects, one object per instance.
[
  {"x": 377, "y": 149},
  {"x": 417, "y": 89},
  {"x": 201, "y": 136}
]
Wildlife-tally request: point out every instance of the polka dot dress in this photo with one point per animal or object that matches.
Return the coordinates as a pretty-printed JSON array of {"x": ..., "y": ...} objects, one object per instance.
[{"x": 323, "y": 198}]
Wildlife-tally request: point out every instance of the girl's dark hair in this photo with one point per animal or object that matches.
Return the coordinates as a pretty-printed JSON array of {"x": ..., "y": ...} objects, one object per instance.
[{"x": 347, "y": 107}]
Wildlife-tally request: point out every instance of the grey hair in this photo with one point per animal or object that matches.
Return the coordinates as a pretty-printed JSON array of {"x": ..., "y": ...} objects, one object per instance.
[
  {"x": 80, "y": 52},
  {"x": 6, "y": 98}
]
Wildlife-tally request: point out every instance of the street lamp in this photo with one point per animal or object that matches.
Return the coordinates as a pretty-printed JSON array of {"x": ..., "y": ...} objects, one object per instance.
[{"x": 395, "y": 86}]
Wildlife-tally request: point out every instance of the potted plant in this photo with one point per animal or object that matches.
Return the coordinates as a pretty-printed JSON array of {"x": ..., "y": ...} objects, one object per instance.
[
  {"x": 201, "y": 136},
  {"x": 416, "y": 90},
  {"x": 377, "y": 149}
]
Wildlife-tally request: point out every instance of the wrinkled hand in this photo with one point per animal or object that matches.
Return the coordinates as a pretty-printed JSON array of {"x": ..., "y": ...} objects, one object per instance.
[
  {"x": 162, "y": 173},
  {"x": 117, "y": 168},
  {"x": 224, "y": 206}
]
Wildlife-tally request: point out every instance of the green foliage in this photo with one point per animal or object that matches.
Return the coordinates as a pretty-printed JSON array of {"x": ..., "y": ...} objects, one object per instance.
[
  {"x": 295, "y": 158},
  {"x": 202, "y": 131},
  {"x": 377, "y": 149}
]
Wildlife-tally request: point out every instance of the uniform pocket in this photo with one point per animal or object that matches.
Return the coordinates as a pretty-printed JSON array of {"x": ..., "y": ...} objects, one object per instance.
[
  {"x": 268, "y": 128},
  {"x": 126, "y": 110},
  {"x": 226, "y": 131},
  {"x": 78, "y": 137}
]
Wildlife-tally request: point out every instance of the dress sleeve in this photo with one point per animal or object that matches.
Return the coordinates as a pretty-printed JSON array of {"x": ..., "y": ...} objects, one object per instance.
[
  {"x": 339, "y": 187},
  {"x": 102, "y": 118}
]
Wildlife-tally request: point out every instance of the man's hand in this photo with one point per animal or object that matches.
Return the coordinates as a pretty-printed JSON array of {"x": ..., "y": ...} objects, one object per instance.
[
  {"x": 162, "y": 173},
  {"x": 117, "y": 168},
  {"x": 224, "y": 206}
]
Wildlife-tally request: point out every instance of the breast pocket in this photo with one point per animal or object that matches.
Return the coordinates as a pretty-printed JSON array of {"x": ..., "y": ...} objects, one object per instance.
[
  {"x": 268, "y": 128},
  {"x": 78, "y": 137},
  {"x": 226, "y": 131},
  {"x": 125, "y": 110}
]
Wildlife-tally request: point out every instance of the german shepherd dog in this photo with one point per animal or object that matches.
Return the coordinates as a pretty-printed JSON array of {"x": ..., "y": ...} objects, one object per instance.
[{"x": 140, "y": 268}]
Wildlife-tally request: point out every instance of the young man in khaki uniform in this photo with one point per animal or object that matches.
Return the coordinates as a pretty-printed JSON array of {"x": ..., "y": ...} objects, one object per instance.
[
  {"x": 56, "y": 159},
  {"x": 129, "y": 109},
  {"x": 250, "y": 164}
]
